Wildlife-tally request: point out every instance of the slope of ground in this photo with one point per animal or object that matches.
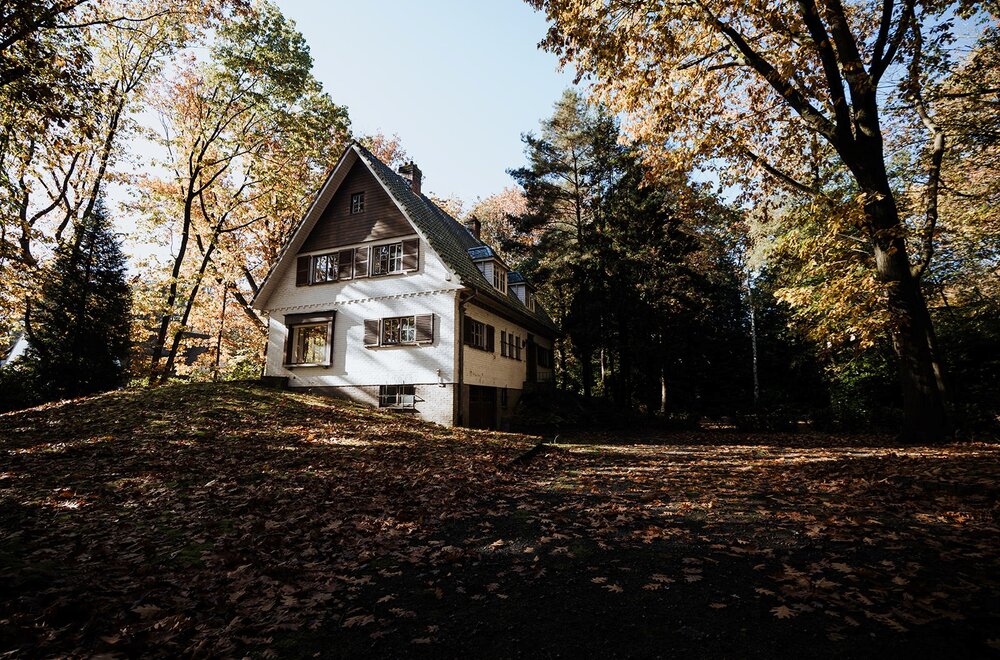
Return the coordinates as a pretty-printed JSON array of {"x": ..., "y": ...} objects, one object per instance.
[{"x": 221, "y": 520}]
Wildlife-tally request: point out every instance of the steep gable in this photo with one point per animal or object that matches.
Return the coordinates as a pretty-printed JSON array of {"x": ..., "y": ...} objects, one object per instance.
[
  {"x": 337, "y": 226},
  {"x": 447, "y": 237}
]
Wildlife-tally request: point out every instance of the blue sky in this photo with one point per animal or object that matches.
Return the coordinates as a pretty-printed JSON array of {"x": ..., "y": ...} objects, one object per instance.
[{"x": 458, "y": 81}]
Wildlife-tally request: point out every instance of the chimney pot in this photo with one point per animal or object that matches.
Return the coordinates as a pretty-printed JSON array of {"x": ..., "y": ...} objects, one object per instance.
[{"x": 412, "y": 173}]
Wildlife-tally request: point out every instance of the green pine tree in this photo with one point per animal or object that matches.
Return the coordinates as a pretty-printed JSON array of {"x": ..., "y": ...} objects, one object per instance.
[{"x": 79, "y": 328}]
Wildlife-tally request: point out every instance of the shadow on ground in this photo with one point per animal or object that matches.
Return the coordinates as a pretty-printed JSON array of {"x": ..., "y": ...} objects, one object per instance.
[{"x": 204, "y": 521}]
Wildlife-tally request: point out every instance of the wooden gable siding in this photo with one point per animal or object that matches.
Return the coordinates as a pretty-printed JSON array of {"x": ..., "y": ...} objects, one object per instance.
[{"x": 380, "y": 220}]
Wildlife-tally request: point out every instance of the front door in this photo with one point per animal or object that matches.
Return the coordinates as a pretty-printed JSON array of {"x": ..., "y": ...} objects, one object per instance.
[{"x": 482, "y": 407}]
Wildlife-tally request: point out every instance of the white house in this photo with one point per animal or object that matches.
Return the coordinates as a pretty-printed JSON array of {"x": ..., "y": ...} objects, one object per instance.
[{"x": 381, "y": 297}]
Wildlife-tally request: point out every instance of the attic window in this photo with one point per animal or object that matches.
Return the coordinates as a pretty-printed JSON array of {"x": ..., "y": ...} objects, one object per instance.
[{"x": 357, "y": 203}]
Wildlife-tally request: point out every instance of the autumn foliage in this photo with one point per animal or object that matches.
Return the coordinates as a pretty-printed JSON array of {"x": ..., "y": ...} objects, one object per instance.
[{"x": 206, "y": 520}]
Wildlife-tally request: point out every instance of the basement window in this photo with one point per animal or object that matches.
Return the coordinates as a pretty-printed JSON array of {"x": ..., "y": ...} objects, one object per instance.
[{"x": 397, "y": 396}]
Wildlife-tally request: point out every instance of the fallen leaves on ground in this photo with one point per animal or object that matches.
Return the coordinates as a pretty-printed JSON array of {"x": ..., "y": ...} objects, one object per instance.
[{"x": 224, "y": 520}]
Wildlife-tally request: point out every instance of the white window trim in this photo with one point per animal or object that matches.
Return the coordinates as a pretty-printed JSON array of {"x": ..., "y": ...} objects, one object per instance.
[{"x": 373, "y": 259}]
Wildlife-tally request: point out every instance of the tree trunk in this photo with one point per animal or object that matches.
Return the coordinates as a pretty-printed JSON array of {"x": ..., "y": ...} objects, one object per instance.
[
  {"x": 753, "y": 344},
  {"x": 586, "y": 354},
  {"x": 663, "y": 391},
  {"x": 924, "y": 418},
  {"x": 913, "y": 340}
]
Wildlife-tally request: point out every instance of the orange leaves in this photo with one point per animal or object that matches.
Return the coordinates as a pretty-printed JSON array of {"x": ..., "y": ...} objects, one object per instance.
[
  {"x": 379, "y": 542},
  {"x": 358, "y": 620},
  {"x": 783, "y": 612}
]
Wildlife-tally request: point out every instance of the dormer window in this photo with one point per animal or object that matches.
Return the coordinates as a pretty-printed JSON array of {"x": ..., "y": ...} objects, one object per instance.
[
  {"x": 357, "y": 203},
  {"x": 499, "y": 278},
  {"x": 530, "y": 304}
]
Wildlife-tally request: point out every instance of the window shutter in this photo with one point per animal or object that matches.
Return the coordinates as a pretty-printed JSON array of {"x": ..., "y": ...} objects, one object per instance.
[
  {"x": 361, "y": 262},
  {"x": 289, "y": 343},
  {"x": 371, "y": 332},
  {"x": 345, "y": 264},
  {"x": 490, "y": 338},
  {"x": 503, "y": 343},
  {"x": 425, "y": 328},
  {"x": 467, "y": 331},
  {"x": 411, "y": 254},
  {"x": 302, "y": 271}
]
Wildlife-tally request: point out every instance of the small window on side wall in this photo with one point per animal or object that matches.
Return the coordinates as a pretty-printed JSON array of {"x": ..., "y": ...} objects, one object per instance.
[
  {"x": 478, "y": 335},
  {"x": 397, "y": 396},
  {"x": 310, "y": 340},
  {"x": 357, "y": 203}
]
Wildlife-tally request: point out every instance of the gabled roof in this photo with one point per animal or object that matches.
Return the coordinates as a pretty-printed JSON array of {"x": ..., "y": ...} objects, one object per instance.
[{"x": 447, "y": 236}]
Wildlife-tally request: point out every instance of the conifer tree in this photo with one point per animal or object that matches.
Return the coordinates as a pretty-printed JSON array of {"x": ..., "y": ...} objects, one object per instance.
[{"x": 79, "y": 328}]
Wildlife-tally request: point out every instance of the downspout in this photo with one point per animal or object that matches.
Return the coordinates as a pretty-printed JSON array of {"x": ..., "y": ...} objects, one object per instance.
[{"x": 461, "y": 353}]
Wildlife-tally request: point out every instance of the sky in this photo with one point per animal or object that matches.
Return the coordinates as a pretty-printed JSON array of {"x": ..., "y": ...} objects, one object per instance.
[{"x": 458, "y": 81}]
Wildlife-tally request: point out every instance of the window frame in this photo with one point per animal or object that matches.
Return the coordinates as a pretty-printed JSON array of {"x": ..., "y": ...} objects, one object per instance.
[
  {"x": 294, "y": 350},
  {"x": 358, "y": 202},
  {"x": 397, "y": 395},
  {"x": 499, "y": 278},
  {"x": 384, "y": 325},
  {"x": 477, "y": 334},
  {"x": 332, "y": 267},
  {"x": 375, "y": 260}
]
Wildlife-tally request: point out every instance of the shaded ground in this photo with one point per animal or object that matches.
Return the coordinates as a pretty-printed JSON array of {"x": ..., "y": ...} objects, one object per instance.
[{"x": 206, "y": 520}]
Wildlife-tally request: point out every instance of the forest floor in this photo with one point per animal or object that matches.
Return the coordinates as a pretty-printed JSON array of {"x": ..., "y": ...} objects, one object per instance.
[{"x": 203, "y": 521}]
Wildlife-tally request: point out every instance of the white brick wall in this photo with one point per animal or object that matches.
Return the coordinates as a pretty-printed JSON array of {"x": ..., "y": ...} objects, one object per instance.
[
  {"x": 432, "y": 289},
  {"x": 435, "y": 403}
]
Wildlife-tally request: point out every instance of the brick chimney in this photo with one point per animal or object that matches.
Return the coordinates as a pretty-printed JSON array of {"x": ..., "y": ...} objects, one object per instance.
[
  {"x": 412, "y": 173},
  {"x": 474, "y": 226}
]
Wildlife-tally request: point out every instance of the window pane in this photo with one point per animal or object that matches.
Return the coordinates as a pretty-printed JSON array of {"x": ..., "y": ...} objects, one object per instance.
[
  {"x": 407, "y": 329},
  {"x": 325, "y": 268},
  {"x": 396, "y": 258},
  {"x": 310, "y": 343},
  {"x": 390, "y": 331}
]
